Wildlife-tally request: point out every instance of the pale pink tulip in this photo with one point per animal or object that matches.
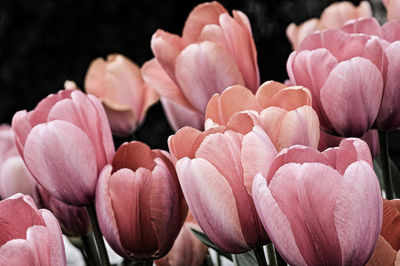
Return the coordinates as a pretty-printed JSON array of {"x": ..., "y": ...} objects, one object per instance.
[
  {"x": 216, "y": 169},
  {"x": 392, "y": 9},
  {"x": 333, "y": 17},
  {"x": 29, "y": 236},
  {"x": 14, "y": 176},
  {"x": 215, "y": 51},
  {"x": 188, "y": 250},
  {"x": 65, "y": 142},
  {"x": 139, "y": 203},
  {"x": 118, "y": 83},
  {"x": 321, "y": 208},
  {"x": 285, "y": 113}
]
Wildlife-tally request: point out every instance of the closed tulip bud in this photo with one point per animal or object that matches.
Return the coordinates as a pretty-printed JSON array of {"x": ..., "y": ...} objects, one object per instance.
[
  {"x": 65, "y": 142},
  {"x": 29, "y": 236},
  {"x": 216, "y": 169},
  {"x": 139, "y": 203},
  {"x": 392, "y": 9},
  {"x": 118, "y": 83},
  {"x": 321, "y": 208},
  {"x": 74, "y": 220}
]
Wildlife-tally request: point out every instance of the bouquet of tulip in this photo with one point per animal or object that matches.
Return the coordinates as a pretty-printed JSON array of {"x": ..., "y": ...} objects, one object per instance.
[{"x": 259, "y": 173}]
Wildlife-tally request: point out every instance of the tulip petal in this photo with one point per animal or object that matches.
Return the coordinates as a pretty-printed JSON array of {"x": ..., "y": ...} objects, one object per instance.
[
  {"x": 390, "y": 224},
  {"x": 72, "y": 157},
  {"x": 21, "y": 126},
  {"x": 391, "y": 30},
  {"x": 121, "y": 121},
  {"x": 351, "y": 99},
  {"x": 352, "y": 150},
  {"x": 212, "y": 202},
  {"x": 271, "y": 119},
  {"x": 214, "y": 68},
  {"x": 358, "y": 213},
  {"x": 369, "y": 26},
  {"x": 18, "y": 252},
  {"x": 266, "y": 91},
  {"x": 291, "y": 98},
  {"x": 243, "y": 122},
  {"x": 383, "y": 254},
  {"x": 38, "y": 237},
  {"x": 133, "y": 155}
]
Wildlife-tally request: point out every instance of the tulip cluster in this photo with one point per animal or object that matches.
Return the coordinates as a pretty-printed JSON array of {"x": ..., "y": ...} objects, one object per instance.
[{"x": 243, "y": 168}]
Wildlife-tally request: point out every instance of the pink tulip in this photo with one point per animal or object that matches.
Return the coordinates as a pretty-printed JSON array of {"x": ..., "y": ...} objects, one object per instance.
[
  {"x": 139, "y": 203},
  {"x": 65, "y": 142},
  {"x": 74, "y": 221},
  {"x": 29, "y": 236},
  {"x": 188, "y": 250},
  {"x": 321, "y": 208},
  {"x": 347, "y": 74},
  {"x": 285, "y": 113},
  {"x": 14, "y": 176},
  {"x": 216, "y": 169},
  {"x": 215, "y": 51},
  {"x": 333, "y": 17},
  {"x": 392, "y": 8},
  {"x": 118, "y": 83}
]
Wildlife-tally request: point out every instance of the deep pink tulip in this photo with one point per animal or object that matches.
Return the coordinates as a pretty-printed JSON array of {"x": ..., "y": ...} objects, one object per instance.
[
  {"x": 29, "y": 236},
  {"x": 333, "y": 17},
  {"x": 65, "y": 142},
  {"x": 214, "y": 52},
  {"x": 118, "y": 83},
  {"x": 392, "y": 9},
  {"x": 139, "y": 203},
  {"x": 216, "y": 170},
  {"x": 321, "y": 208},
  {"x": 74, "y": 220},
  {"x": 14, "y": 176}
]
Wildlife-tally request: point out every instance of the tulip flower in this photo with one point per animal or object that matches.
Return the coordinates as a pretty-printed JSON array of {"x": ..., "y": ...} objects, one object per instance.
[
  {"x": 65, "y": 142},
  {"x": 215, "y": 51},
  {"x": 392, "y": 9},
  {"x": 118, "y": 83},
  {"x": 285, "y": 113},
  {"x": 139, "y": 203},
  {"x": 29, "y": 236},
  {"x": 383, "y": 254},
  {"x": 14, "y": 176},
  {"x": 188, "y": 250},
  {"x": 391, "y": 222},
  {"x": 74, "y": 221},
  {"x": 333, "y": 17},
  {"x": 216, "y": 169},
  {"x": 321, "y": 208}
]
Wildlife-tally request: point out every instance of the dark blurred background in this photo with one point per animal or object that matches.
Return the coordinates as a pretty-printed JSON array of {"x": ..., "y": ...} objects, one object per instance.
[{"x": 45, "y": 42}]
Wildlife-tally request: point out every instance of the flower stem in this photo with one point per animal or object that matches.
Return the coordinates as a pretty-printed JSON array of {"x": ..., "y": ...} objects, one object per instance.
[
  {"x": 101, "y": 248},
  {"x": 280, "y": 261},
  {"x": 386, "y": 174},
  {"x": 259, "y": 252},
  {"x": 89, "y": 250}
]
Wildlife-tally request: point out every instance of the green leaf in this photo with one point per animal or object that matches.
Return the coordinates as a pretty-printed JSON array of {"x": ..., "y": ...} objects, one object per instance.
[
  {"x": 245, "y": 259},
  {"x": 204, "y": 238},
  {"x": 395, "y": 172}
]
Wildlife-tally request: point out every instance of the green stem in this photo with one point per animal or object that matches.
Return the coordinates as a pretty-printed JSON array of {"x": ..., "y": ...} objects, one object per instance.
[
  {"x": 259, "y": 252},
  {"x": 386, "y": 174},
  {"x": 271, "y": 255},
  {"x": 89, "y": 251},
  {"x": 280, "y": 261},
  {"x": 101, "y": 248}
]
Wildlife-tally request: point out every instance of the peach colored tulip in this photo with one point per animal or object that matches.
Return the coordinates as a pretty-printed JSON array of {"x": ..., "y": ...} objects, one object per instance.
[
  {"x": 188, "y": 250},
  {"x": 384, "y": 254},
  {"x": 285, "y": 113},
  {"x": 29, "y": 236},
  {"x": 14, "y": 176},
  {"x": 118, "y": 83},
  {"x": 139, "y": 203},
  {"x": 333, "y": 17},
  {"x": 74, "y": 221},
  {"x": 321, "y": 208},
  {"x": 216, "y": 169},
  {"x": 65, "y": 142},
  {"x": 391, "y": 222},
  {"x": 392, "y": 9},
  {"x": 215, "y": 51}
]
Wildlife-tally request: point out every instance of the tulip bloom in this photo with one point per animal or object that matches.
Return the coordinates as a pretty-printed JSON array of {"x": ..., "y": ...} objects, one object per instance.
[
  {"x": 321, "y": 208},
  {"x": 65, "y": 142},
  {"x": 216, "y": 170},
  {"x": 139, "y": 203},
  {"x": 215, "y": 51},
  {"x": 333, "y": 17},
  {"x": 14, "y": 176},
  {"x": 285, "y": 113},
  {"x": 118, "y": 83},
  {"x": 29, "y": 236},
  {"x": 392, "y": 8}
]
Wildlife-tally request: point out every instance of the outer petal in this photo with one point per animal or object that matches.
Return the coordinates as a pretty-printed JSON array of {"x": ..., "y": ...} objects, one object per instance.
[
  {"x": 21, "y": 127},
  {"x": 368, "y": 26},
  {"x": 18, "y": 252},
  {"x": 356, "y": 95},
  {"x": 391, "y": 30},
  {"x": 66, "y": 147},
  {"x": 212, "y": 202},
  {"x": 390, "y": 224},
  {"x": 296, "y": 34},
  {"x": 203, "y": 69},
  {"x": 383, "y": 254},
  {"x": 337, "y": 14},
  {"x": 358, "y": 213},
  {"x": 271, "y": 120},
  {"x": 122, "y": 122},
  {"x": 291, "y": 98},
  {"x": 352, "y": 150},
  {"x": 392, "y": 8}
]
